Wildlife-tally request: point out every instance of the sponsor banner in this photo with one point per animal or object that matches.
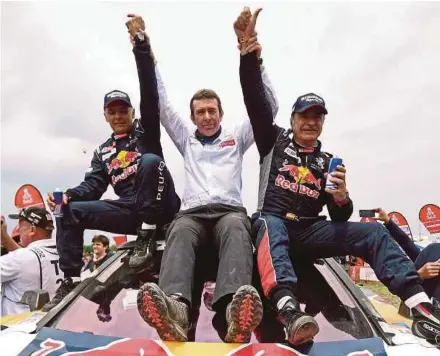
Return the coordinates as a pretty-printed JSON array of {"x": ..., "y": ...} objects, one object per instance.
[
  {"x": 27, "y": 195},
  {"x": 53, "y": 342},
  {"x": 429, "y": 216},
  {"x": 120, "y": 240},
  {"x": 401, "y": 222}
]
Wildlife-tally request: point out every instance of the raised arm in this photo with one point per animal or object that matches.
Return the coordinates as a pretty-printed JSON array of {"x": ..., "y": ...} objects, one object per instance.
[
  {"x": 149, "y": 106},
  {"x": 155, "y": 106},
  {"x": 257, "y": 105},
  {"x": 245, "y": 132},
  {"x": 170, "y": 119},
  {"x": 258, "y": 95},
  {"x": 149, "y": 130}
]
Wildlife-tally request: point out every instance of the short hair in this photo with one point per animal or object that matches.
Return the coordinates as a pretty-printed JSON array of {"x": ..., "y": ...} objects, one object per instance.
[
  {"x": 102, "y": 239},
  {"x": 205, "y": 94}
]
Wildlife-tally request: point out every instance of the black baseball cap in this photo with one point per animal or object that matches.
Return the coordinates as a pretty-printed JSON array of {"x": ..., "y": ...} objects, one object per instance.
[
  {"x": 307, "y": 101},
  {"x": 39, "y": 217},
  {"x": 116, "y": 95}
]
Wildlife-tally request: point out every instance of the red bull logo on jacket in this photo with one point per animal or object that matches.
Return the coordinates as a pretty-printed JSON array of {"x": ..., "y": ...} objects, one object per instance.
[
  {"x": 301, "y": 176},
  {"x": 125, "y": 160}
]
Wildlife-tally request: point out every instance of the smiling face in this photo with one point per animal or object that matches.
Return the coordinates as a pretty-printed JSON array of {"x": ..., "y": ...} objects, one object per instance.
[
  {"x": 307, "y": 126},
  {"x": 120, "y": 117},
  {"x": 99, "y": 249},
  {"x": 206, "y": 111}
]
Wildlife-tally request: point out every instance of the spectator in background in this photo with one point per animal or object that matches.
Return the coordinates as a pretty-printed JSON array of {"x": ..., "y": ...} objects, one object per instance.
[
  {"x": 426, "y": 262},
  {"x": 35, "y": 266},
  {"x": 9, "y": 243},
  {"x": 101, "y": 252}
]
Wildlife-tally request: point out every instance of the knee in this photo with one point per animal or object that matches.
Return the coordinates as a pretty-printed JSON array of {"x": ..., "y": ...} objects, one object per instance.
[
  {"x": 431, "y": 253},
  {"x": 183, "y": 230},
  {"x": 151, "y": 160},
  {"x": 237, "y": 222},
  {"x": 72, "y": 213},
  {"x": 378, "y": 231}
]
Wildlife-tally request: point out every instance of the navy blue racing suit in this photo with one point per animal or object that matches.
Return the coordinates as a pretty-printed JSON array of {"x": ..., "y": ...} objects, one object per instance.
[
  {"x": 291, "y": 197},
  {"x": 134, "y": 165}
]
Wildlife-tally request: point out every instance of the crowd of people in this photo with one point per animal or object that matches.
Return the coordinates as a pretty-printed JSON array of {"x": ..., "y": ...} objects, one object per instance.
[{"x": 210, "y": 217}]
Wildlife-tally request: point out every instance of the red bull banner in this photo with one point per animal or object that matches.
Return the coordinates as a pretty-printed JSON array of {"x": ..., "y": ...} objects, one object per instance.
[
  {"x": 27, "y": 195},
  {"x": 53, "y": 342},
  {"x": 429, "y": 216},
  {"x": 401, "y": 222},
  {"x": 120, "y": 240}
]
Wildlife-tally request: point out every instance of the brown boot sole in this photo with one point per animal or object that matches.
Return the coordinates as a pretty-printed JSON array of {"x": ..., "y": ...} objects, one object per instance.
[
  {"x": 305, "y": 329},
  {"x": 152, "y": 307},
  {"x": 246, "y": 314}
]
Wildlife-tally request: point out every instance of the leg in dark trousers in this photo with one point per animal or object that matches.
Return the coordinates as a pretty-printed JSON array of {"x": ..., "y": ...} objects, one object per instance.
[
  {"x": 371, "y": 242},
  {"x": 186, "y": 236},
  {"x": 233, "y": 242},
  {"x": 156, "y": 200},
  {"x": 273, "y": 261},
  {"x": 270, "y": 330},
  {"x": 107, "y": 215},
  {"x": 430, "y": 253},
  {"x": 156, "y": 203}
]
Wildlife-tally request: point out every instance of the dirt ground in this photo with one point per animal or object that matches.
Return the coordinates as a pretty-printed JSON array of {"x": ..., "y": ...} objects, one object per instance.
[{"x": 381, "y": 290}]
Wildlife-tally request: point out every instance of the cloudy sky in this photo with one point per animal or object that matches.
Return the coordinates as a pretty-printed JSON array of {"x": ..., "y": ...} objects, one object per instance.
[{"x": 377, "y": 65}]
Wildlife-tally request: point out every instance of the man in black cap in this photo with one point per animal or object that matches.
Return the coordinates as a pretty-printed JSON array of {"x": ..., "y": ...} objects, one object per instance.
[
  {"x": 131, "y": 160},
  {"x": 35, "y": 266},
  {"x": 287, "y": 225}
]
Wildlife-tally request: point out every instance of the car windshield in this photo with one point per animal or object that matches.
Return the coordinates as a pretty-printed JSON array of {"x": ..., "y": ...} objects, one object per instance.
[{"x": 107, "y": 306}]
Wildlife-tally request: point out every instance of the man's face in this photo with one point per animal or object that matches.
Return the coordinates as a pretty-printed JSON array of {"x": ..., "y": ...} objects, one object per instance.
[
  {"x": 120, "y": 117},
  {"x": 27, "y": 232},
  {"x": 207, "y": 116},
  {"x": 307, "y": 125},
  {"x": 98, "y": 248}
]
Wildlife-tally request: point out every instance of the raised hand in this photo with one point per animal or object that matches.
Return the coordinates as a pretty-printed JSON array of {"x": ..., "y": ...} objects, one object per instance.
[
  {"x": 135, "y": 24},
  {"x": 244, "y": 27},
  {"x": 136, "y": 27}
]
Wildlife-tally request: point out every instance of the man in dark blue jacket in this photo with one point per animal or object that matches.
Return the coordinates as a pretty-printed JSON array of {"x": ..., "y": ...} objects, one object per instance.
[
  {"x": 426, "y": 262},
  {"x": 292, "y": 193},
  {"x": 132, "y": 161}
]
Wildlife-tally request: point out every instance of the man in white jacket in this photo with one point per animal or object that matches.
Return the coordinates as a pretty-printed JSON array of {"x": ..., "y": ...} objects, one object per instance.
[
  {"x": 33, "y": 267},
  {"x": 212, "y": 215}
]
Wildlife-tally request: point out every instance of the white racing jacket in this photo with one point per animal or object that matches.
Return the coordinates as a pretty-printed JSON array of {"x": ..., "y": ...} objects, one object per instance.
[
  {"x": 30, "y": 268},
  {"x": 212, "y": 172}
]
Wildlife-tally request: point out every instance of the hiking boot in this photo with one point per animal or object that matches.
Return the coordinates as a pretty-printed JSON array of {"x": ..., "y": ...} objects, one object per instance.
[
  {"x": 144, "y": 248},
  {"x": 243, "y": 314},
  {"x": 67, "y": 285},
  {"x": 300, "y": 327},
  {"x": 166, "y": 314},
  {"x": 426, "y": 322}
]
